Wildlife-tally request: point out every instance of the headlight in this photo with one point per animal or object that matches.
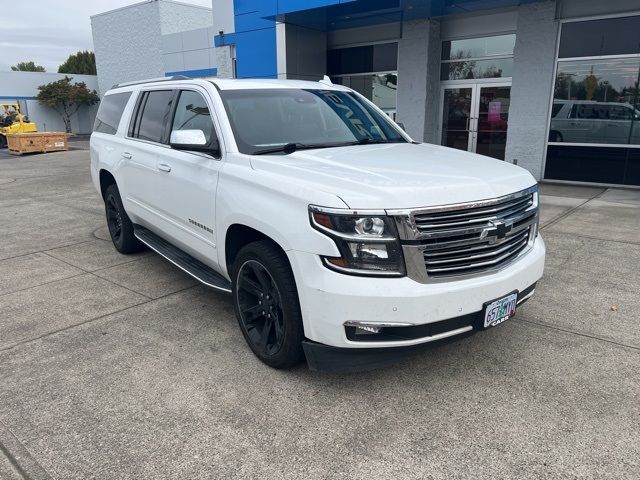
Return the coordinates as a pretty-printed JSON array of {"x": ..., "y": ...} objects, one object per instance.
[{"x": 368, "y": 244}]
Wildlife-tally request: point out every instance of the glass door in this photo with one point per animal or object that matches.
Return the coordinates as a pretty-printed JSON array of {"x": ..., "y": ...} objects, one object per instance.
[
  {"x": 456, "y": 122},
  {"x": 492, "y": 120},
  {"x": 475, "y": 118}
]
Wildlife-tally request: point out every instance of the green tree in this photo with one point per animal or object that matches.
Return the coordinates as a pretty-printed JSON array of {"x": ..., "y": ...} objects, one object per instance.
[
  {"x": 27, "y": 67},
  {"x": 81, "y": 63},
  {"x": 66, "y": 98}
]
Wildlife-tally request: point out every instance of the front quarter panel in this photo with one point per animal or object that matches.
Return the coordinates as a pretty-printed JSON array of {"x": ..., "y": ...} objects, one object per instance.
[{"x": 273, "y": 204}]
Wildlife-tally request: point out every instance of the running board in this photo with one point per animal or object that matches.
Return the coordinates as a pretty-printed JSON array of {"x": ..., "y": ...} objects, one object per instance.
[{"x": 182, "y": 260}]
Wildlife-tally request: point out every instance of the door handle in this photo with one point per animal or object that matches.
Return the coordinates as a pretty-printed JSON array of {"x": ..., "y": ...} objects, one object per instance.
[
  {"x": 163, "y": 167},
  {"x": 126, "y": 155}
]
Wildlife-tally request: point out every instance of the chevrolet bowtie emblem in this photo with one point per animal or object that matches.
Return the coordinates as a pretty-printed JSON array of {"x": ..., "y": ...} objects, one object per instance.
[
  {"x": 502, "y": 228},
  {"x": 497, "y": 231}
]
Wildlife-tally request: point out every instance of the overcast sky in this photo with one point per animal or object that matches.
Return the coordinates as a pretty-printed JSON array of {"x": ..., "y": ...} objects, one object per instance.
[{"x": 48, "y": 31}]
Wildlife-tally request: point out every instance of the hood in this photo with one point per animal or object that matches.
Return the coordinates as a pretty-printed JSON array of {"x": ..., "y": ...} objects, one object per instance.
[{"x": 398, "y": 175}]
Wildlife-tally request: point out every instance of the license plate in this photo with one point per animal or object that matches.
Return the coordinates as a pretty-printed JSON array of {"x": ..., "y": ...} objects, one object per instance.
[{"x": 500, "y": 310}]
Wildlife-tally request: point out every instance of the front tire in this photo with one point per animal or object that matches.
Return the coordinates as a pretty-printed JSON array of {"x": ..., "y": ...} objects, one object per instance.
[
  {"x": 119, "y": 223},
  {"x": 266, "y": 304}
]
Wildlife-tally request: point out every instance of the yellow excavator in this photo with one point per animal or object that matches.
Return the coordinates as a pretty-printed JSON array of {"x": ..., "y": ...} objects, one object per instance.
[{"x": 12, "y": 121}]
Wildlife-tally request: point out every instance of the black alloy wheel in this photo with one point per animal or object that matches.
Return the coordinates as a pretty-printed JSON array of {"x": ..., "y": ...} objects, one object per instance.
[
  {"x": 114, "y": 219},
  {"x": 119, "y": 224},
  {"x": 260, "y": 307},
  {"x": 267, "y": 305}
]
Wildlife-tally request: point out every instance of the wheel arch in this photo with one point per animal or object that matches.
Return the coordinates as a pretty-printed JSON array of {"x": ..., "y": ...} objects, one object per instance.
[
  {"x": 239, "y": 235},
  {"x": 106, "y": 180}
]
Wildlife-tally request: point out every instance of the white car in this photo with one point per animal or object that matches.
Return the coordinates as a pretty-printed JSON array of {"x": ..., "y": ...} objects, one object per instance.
[
  {"x": 339, "y": 238},
  {"x": 584, "y": 121}
]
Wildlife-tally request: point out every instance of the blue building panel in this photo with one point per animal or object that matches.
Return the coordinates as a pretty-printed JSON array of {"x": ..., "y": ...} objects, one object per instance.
[
  {"x": 255, "y": 35},
  {"x": 202, "y": 72},
  {"x": 256, "y": 54}
]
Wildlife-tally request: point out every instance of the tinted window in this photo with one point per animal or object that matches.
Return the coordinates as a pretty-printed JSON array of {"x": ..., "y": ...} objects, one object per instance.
[
  {"x": 155, "y": 109},
  {"x": 366, "y": 59},
  {"x": 600, "y": 90},
  {"x": 380, "y": 88},
  {"x": 192, "y": 113},
  {"x": 611, "y": 36},
  {"x": 263, "y": 119},
  {"x": 500, "y": 45},
  {"x": 110, "y": 112},
  {"x": 484, "y": 57},
  {"x": 556, "y": 109}
]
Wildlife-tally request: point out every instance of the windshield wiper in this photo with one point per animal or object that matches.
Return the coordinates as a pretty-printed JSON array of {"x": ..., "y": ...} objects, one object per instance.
[
  {"x": 370, "y": 140},
  {"x": 292, "y": 147}
]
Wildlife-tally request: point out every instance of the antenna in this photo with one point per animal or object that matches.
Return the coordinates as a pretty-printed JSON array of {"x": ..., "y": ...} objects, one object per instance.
[{"x": 326, "y": 81}]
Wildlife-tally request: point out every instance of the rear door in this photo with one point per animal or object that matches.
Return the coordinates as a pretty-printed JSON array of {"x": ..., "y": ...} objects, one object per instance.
[
  {"x": 146, "y": 142},
  {"x": 188, "y": 180}
]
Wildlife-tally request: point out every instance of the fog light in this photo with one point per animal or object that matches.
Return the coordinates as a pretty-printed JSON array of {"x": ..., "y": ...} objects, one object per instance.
[
  {"x": 366, "y": 330},
  {"x": 363, "y": 328}
]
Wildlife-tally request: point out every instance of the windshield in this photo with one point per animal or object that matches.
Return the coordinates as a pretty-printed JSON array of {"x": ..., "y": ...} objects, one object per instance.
[{"x": 264, "y": 119}]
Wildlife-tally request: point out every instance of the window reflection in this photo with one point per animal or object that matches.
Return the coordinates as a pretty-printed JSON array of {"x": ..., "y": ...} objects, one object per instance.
[
  {"x": 596, "y": 101},
  {"x": 478, "y": 47},
  {"x": 484, "y": 57},
  {"x": 380, "y": 88},
  {"x": 470, "y": 69}
]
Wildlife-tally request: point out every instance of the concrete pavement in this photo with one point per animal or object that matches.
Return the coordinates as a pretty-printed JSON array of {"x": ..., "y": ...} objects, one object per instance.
[{"x": 122, "y": 367}]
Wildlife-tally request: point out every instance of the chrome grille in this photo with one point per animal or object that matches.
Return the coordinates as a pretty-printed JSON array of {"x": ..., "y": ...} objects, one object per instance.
[{"x": 471, "y": 238}]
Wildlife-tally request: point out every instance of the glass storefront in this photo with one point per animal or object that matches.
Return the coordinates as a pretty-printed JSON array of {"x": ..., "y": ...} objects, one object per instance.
[
  {"x": 471, "y": 58},
  {"x": 477, "y": 93},
  {"x": 594, "y": 129},
  {"x": 370, "y": 70}
]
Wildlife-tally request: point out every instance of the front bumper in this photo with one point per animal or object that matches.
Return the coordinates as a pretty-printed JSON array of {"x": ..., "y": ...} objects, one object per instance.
[
  {"x": 329, "y": 299},
  {"x": 325, "y": 358}
]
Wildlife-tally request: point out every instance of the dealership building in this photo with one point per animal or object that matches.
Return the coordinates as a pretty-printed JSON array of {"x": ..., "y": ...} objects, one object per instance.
[{"x": 552, "y": 85}]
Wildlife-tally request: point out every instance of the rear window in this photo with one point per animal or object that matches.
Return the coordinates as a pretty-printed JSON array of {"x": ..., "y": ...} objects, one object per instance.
[
  {"x": 110, "y": 112},
  {"x": 153, "y": 116}
]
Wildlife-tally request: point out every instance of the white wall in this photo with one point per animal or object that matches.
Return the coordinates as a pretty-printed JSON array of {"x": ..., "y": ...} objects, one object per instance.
[
  {"x": 129, "y": 41},
  {"x": 534, "y": 59},
  {"x": 23, "y": 87},
  {"x": 190, "y": 50},
  {"x": 127, "y": 44}
]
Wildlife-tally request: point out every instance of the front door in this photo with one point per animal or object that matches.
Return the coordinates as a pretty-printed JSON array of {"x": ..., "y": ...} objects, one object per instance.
[
  {"x": 188, "y": 181},
  {"x": 475, "y": 118}
]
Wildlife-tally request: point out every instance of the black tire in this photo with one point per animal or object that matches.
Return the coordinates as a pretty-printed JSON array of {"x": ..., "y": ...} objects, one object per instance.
[
  {"x": 120, "y": 226},
  {"x": 266, "y": 303},
  {"x": 3, "y": 141}
]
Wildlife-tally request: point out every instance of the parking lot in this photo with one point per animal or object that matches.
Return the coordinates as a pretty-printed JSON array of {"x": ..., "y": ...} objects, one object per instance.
[{"x": 122, "y": 367}]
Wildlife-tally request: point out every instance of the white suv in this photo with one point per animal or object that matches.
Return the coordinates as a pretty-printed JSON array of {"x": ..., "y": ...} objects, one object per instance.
[{"x": 339, "y": 238}]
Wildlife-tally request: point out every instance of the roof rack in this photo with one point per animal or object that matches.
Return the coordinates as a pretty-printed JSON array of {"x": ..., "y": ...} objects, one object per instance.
[{"x": 151, "y": 80}]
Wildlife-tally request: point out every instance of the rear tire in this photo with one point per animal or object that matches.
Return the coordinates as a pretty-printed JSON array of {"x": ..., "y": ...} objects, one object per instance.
[
  {"x": 265, "y": 299},
  {"x": 120, "y": 226}
]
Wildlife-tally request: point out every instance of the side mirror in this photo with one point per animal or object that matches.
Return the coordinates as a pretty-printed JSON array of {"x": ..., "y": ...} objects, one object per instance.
[{"x": 193, "y": 140}]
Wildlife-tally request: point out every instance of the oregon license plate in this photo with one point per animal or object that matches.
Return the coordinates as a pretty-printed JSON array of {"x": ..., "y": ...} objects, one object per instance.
[{"x": 500, "y": 310}]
